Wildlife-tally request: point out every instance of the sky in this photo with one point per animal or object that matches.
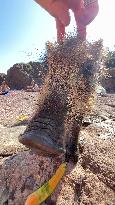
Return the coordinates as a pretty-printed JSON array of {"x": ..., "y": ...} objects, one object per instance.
[{"x": 25, "y": 27}]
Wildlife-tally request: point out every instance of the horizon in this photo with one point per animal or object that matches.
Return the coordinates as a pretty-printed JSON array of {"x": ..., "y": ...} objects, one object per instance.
[{"x": 26, "y": 27}]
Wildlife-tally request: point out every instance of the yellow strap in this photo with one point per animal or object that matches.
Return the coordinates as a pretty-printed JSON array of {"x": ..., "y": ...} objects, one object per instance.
[{"x": 41, "y": 194}]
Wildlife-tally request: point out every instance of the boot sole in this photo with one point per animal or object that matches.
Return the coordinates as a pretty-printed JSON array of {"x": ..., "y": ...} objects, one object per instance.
[{"x": 40, "y": 144}]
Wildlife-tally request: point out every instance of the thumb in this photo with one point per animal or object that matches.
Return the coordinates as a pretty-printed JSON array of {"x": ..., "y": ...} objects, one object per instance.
[
  {"x": 61, "y": 12},
  {"x": 57, "y": 8}
]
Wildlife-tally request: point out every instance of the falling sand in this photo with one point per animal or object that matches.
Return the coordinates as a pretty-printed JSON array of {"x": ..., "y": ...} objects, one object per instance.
[{"x": 68, "y": 93}]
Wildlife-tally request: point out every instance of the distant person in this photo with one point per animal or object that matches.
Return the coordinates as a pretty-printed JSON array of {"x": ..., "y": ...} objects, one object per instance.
[
  {"x": 4, "y": 88},
  {"x": 32, "y": 83},
  {"x": 36, "y": 88},
  {"x": 33, "y": 87},
  {"x": 84, "y": 11}
]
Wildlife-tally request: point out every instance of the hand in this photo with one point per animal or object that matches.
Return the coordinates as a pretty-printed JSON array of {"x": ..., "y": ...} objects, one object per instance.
[
  {"x": 57, "y": 8},
  {"x": 60, "y": 10}
]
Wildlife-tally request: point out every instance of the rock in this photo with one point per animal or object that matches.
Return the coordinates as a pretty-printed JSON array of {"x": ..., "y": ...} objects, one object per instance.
[
  {"x": 98, "y": 156},
  {"x": 109, "y": 82},
  {"x": 21, "y": 174},
  {"x": 86, "y": 121},
  {"x": 103, "y": 108},
  {"x": 90, "y": 182},
  {"x": 20, "y": 75},
  {"x": 9, "y": 143},
  {"x": 101, "y": 91},
  {"x": 14, "y": 105}
]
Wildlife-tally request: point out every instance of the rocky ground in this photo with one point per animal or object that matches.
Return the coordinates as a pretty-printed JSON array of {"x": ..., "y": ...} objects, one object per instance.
[
  {"x": 15, "y": 104},
  {"x": 90, "y": 182}
]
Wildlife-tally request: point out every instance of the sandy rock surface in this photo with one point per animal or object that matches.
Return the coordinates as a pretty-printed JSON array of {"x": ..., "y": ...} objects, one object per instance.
[
  {"x": 9, "y": 143},
  {"x": 15, "y": 104},
  {"x": 90, "y": 182}
]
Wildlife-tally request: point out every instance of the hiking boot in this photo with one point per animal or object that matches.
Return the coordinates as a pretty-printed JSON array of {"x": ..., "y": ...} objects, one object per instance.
[{"x": 44, "y": 132}]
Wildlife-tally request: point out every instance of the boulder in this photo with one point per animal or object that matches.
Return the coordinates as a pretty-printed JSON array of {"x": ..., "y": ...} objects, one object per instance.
[
  {"x": 9, "y": 143},
  {"x": 100, "y": 90},
  {"x": 90, "y": 182},
  {"x": 109, "y": 82},
  {"x": 18, "y": 77}
]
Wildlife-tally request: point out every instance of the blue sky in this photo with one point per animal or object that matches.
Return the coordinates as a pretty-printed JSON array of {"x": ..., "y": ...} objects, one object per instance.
[{"x": 25, "y": 27}]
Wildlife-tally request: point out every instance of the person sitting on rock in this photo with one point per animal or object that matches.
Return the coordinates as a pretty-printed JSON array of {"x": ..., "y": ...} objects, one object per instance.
[
  {"x": 33, "y": 87},
  {"x": 4, "y": 88}
]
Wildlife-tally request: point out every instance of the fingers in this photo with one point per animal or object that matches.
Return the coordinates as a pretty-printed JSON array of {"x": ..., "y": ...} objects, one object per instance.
[
  {"x": 86, "y": 15},
  {"x": 61, "y": 11},
  {"x": 46, "y": 4},
  {"x": 81, "y": 29},
  {"x": 60, "y": 30},
  {"x": 75, "y": 4},
  {"x": 62, "y": 18},
  {"x": 57, "y": 8}
]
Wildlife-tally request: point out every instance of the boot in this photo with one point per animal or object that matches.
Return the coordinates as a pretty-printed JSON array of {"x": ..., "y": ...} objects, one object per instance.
[{"x": 44, "y": 133}]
